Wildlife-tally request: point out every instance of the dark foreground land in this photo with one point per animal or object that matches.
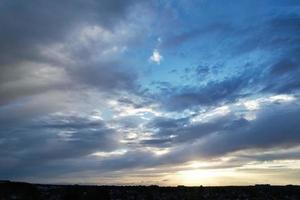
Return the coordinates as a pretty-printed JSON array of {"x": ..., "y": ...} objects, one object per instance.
[{"x": 26, "y": 191}]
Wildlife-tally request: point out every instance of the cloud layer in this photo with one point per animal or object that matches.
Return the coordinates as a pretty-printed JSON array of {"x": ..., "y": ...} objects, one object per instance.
[{"x": 83, "y": 99}]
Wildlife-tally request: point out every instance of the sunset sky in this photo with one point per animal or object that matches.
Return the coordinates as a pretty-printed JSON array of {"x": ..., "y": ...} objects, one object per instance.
[{"x": 184, "y": 92}]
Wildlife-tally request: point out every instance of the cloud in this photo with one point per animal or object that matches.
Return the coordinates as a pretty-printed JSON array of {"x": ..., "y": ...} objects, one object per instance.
[
  {"x": 74, "y": 49},
  {"x": 231, "y": 134},
  {"x": 213, "y": 93},
  {"x": 50, "y": 140},
  {"x": 156, "y": 57},
  {"x": 75, "y": 90},
  {"x": 60, "y": 17},
  {"x": 232, "y": 41}
]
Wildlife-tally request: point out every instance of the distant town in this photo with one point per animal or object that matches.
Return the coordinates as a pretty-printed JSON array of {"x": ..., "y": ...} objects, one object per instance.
[{"x": 27, "y": 191}]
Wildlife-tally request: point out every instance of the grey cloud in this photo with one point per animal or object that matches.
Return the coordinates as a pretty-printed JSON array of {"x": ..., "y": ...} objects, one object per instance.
[
  {"x": 68, "y": 122},
  {"x": 32, "y": 143},
  {"x": 132, "y": 159},
  {"x": 52, "y": 140},
  {"x": 105, "y": 76},
  {"x": 212, "y": 93},
  {"x": 24, "y": 25},
  {"x": 159, "y": 142},
  {"x": 182, "y": 130},
  {"x": 35, "y": 145},
  {"x": 274, "y": 127},
  {"x": 290, "y": 154},
  {"x": 28, "y": 27},
  {"x": 167, "y": 123}
]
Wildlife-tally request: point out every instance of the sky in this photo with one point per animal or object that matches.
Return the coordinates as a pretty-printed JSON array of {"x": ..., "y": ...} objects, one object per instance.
[{"x": 184, "y": 92}]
